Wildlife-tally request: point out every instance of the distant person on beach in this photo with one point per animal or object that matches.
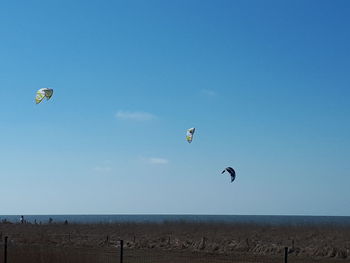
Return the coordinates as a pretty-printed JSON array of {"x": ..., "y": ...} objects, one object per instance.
[
  {"x": 21, "y": 219},
  {"x": 50, "y": 220}
]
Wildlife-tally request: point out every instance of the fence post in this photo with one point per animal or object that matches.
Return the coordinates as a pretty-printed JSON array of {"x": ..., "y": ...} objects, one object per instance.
[
  {"x": 286, "y": 255},
  {"x": 5, "y": 250},
  {"x": 121, "y": 250}
]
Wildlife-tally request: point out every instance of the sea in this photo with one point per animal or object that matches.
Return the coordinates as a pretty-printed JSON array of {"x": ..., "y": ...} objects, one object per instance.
[{"x": 164, "y": 218}]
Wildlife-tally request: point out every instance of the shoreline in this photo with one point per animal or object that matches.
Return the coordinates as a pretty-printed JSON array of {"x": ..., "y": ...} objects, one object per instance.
[{"x": 174, "y": 218}]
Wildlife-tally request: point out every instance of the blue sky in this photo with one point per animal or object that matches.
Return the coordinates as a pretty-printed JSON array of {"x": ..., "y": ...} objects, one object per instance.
[{"x": 265, "y": 83}]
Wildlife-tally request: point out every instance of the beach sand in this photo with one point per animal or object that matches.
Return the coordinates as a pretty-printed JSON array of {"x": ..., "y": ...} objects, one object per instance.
[{"x": 176, "y": 242}]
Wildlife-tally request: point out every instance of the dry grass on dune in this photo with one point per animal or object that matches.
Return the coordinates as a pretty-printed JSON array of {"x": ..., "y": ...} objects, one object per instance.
[{"x": 221, "y": 239}]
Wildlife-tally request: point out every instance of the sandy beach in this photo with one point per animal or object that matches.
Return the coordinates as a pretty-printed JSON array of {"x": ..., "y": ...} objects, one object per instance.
[{"x": 214, "y": 241}]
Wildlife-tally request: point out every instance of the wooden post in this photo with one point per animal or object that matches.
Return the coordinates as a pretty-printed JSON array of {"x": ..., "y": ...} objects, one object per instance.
[
  {"x": 286, "y": 255},
  {"x": 5, "y": 250},
  {"x": 121, "y": 250}
]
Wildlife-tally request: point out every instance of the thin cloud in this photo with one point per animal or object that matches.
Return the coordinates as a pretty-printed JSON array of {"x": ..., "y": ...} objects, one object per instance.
[
  {"x": 156, "y": 160},
  {"x": 208, "y": 92},
  {"x": 135, "y": 115},
  {"x": 103, "y": 169}
]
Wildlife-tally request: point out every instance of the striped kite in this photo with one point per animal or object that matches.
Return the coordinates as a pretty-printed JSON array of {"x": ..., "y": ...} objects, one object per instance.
[{"x": 189, "y": 134}]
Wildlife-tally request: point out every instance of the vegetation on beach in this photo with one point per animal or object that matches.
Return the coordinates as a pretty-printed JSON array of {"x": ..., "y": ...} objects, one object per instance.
[{"x": 304, "y": 241}]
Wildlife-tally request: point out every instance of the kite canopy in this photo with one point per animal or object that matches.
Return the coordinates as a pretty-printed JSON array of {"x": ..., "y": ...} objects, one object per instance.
[
  {"x": 43, "y": 93},
  {"x": 189, "y": 134},
  {"x": 231, "y": 171}
]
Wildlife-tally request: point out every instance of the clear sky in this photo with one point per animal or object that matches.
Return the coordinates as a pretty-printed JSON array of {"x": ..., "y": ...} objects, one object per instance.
[{"x": 265, "y": 83}]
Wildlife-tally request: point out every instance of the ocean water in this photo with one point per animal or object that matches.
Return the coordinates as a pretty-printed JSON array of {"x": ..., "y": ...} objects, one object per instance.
[{"x": 256, "y": 219}]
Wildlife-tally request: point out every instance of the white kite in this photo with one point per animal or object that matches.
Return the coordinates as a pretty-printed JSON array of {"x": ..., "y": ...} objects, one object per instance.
[{"x": 43, "y": 93}]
